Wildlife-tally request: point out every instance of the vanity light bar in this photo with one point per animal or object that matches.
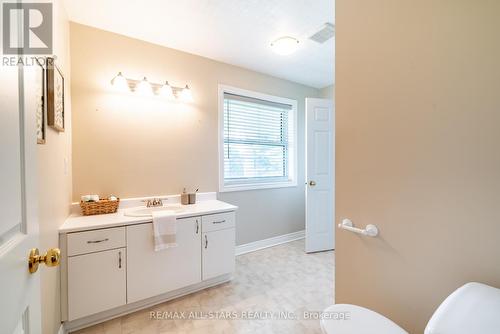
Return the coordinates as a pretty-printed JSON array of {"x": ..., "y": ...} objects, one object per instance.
[{"x": 145, "y": 87}]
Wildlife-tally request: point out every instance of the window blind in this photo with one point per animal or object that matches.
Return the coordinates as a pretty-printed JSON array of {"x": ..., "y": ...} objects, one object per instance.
[{"x": 256, "y": 140}]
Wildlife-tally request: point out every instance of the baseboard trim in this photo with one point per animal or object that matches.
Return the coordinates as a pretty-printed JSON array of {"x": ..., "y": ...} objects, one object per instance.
[
  {"x": 270, "y": 242},
  {"x": 61, "y": 330}
]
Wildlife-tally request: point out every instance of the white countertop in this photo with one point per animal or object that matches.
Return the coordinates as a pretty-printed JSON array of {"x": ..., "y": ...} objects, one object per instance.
[{"x": 76, "y": 222}]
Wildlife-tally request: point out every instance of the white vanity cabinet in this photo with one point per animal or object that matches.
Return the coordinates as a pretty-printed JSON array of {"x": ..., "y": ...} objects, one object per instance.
[
  {"x": 151, "y": 273},
  {"x": 218, "y": 244},
  {"x": 97, "y": 268},
  {"x": 109, "y": 266}
]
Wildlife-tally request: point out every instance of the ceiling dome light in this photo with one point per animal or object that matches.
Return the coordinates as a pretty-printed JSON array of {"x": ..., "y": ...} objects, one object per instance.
[
  {"x": 144, "y": 87},
  {"x": 119, "y": 82},
  {"x": 285, "y": 45},
  {"x": 186, "y": 94},
  {"x": 167, "y": 91}
]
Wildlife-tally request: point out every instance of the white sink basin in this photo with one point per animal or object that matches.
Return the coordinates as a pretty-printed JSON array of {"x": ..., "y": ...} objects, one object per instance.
[{"x": 147, "y": 212}]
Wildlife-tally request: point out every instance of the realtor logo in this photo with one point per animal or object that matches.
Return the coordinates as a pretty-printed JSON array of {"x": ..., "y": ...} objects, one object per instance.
[{"x": 27, "y": 28}]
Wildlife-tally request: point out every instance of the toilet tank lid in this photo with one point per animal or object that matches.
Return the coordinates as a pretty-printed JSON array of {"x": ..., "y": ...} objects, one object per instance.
[{"x": 472, "y": 308}]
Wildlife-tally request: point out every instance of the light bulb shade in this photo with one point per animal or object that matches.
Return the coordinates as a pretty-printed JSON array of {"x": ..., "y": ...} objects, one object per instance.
[
  {"x": 285, "y": 45},
  {"x": 120, "y": 83},
  {"x": 144, "y": 87},
  {"x": 186, "y": 94},
  {"x": 167, "y": 91}
]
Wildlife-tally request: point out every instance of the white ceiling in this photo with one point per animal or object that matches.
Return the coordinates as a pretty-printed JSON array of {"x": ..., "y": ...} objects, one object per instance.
[{"x": 237, "y": 32}]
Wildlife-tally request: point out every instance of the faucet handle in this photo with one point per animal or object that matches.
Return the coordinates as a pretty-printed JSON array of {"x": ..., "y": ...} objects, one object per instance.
[
  {"x": 153, "y": 202},
  {"x": 156, "y": 202},
  {"x": 148, "y": 202}
]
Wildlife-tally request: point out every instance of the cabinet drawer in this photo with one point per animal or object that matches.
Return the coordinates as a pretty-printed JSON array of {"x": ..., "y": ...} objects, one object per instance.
[
  {"x": 218, "y": 221},
  {"x": 94, "y": 241}
]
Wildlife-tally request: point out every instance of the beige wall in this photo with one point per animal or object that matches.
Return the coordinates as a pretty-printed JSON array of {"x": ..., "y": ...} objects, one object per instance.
[
  {"x": 134, "y": 146},
  {"x": 418, "y": 133},
  {"x": 327, "y": 92},
  {"x": 54, "y": 185}
]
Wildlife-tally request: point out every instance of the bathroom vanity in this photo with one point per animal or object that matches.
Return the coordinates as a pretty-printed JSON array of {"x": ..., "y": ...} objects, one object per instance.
[{"x": 109, "y": 266}]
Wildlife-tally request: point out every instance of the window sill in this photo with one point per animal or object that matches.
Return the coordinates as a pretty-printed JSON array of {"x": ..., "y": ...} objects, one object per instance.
[{"x": 256, "y": 186}]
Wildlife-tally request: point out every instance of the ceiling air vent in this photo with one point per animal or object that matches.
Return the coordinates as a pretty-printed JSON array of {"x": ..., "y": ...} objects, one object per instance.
[{"x": 324, "y": 34}]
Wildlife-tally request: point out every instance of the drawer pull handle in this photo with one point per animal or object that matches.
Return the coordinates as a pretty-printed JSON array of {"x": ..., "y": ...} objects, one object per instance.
[
  {"x": 120, "y": 260},
  {"x": 97, "y": 241},
  {"x": 197, "y": 226},
  {"x": 219, "y": 222},
  {"x": 206, "y": 241}
]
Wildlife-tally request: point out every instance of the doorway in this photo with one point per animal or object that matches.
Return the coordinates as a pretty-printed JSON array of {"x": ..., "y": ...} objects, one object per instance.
[{"x": 320, "y": 175}]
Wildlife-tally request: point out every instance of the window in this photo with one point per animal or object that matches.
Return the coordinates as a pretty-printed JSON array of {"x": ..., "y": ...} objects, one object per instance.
[{"x": 258, "y": 140}]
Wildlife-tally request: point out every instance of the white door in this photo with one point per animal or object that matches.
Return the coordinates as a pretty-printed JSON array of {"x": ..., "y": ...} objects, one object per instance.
[
  {"x": 19, "y": 290},
  {"x": 320, "y": 175}
]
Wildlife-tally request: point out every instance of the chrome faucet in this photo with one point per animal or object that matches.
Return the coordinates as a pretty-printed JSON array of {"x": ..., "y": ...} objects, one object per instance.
[{"x": 153, "y": 202}]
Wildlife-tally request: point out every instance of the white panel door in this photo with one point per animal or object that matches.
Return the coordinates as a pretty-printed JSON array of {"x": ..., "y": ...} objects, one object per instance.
[
  {"x": 218, "y": 253},
  {"x": 151, "y": 273},
  {"x": 19, "y": 290},
  {"x": 320, "y": 174}
]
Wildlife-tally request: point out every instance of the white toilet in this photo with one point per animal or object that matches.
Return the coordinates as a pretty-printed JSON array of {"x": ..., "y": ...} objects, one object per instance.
[{"x": 472, "y": 308}]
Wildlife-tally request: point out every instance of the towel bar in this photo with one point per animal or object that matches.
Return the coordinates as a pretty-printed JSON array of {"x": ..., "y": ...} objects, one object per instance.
[{"x": 370, "y": 230}]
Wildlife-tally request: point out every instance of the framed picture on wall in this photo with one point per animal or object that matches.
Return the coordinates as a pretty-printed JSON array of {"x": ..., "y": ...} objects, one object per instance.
[
  {"x": 55, "y": 96},
  {"x": 40, "y": 103}
]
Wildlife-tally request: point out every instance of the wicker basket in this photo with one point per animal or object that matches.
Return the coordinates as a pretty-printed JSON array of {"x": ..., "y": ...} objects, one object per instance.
[{"x": 98, "y": 208}]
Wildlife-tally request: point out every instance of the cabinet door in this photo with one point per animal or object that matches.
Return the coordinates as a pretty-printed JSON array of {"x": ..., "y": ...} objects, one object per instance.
[
  {"x": 152, "y": 273},
  {"x": 96, "y": 282},
  {"x": 218, "y": 253}
]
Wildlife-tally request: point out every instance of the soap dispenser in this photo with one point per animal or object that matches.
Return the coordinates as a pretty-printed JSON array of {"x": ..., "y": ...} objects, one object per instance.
[{"x": 184, "y": 197}]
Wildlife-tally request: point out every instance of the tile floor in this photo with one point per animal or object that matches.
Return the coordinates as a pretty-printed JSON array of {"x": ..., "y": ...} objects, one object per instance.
[{"x": 270, "y": 284}]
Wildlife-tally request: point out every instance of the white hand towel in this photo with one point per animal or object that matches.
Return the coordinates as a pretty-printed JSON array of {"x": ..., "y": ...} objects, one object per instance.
[{"x": 164, "y": 229}]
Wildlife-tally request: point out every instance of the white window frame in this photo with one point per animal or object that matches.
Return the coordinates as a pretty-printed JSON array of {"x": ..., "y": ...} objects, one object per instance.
[{"x": 292, "y": 163}]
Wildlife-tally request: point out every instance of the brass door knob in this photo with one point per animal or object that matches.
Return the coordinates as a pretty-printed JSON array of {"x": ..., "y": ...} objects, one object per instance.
[
  {"x": 51, "y": 259},
  {"x": 312, "y": 183}
]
